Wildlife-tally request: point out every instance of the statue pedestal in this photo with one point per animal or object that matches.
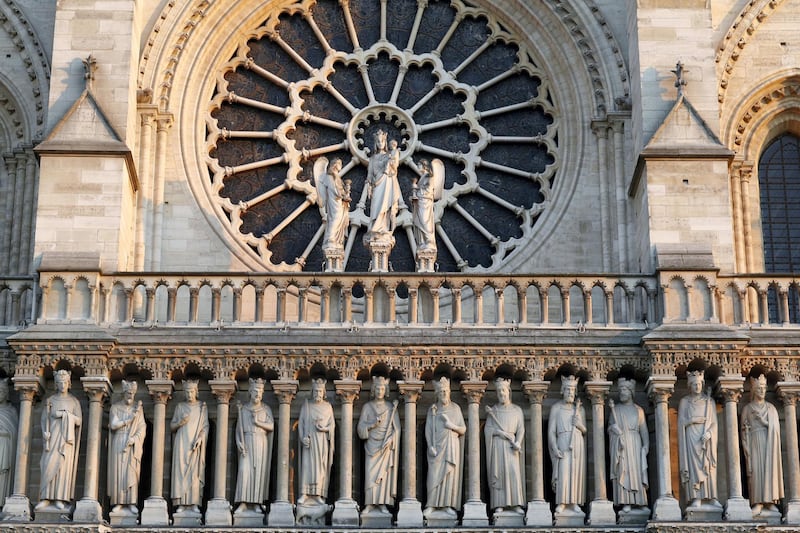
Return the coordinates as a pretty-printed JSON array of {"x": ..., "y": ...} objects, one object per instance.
[
  {"x": 280, "y": 514},
  {"x": 248, "y": 518},
  {"x": 706, "y": 513},
  {"x": 218, "y": 512},
  {"x": 187, "y": 518},
  {"x": 409, "y": 514},
  {"x": 738, "y": 510},
  {"x": 569, "y": 518},
  {"x": 792, "y": 511},
  {"x": 666, "y": 509},
  {"x": 601, "y": 513},
  {"x": 53, "y": 516},
  {"x": 426, "y": 260},
  {"x": 475, "y": 514},
  {"x": 124, "y": 517},
  {"x": 636, "y": 515},
  {"x": 771, "y": 517},
  {"x": 539, "y": 514},
  {"x": 16, "y": 509},
  {"x": 376, "y": 520},
  {"x": 345, "y": 513},
  {"x": 312, "y": 514},
  {"x": 88, "y": 510},
  {"x": 154, "y": 512},
  {"x": 334, "y": 258},
  {"x": 379, "y": 250},
  {"x": 444, "y": 518},
  {"x": 508, "y": 518}
]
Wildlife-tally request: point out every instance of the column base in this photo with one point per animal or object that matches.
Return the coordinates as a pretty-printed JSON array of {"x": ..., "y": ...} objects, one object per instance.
[
  {"x": 538, "y": 514},
  {"x": 345, "y": 513},
  {"x": 218, "y": 512},
  {"x": 601, "y": 513},
  {"x": 475, "y": 514},
  {"x": 738, "y": 510},
  {"x": 409, "y": 513},
  {"x": 281, "y": 514},
  {"x": 792, "y": 515},
  {"x": 154, "y": 512},
  {"x": 88, "y": 510},
  {"x": 667, "y": 509},
  {"x": 17, "y": 509}
]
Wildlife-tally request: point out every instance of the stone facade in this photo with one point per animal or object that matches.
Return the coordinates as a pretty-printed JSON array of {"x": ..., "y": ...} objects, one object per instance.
[{"x": 600, "y": 216}]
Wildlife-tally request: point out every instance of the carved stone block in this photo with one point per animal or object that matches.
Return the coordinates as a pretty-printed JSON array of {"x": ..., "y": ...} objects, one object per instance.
[{"x": 704, "y": 513}]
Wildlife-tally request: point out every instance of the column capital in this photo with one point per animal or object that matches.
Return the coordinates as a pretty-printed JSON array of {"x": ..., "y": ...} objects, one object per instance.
[
  {"x": 97, "y": 388},
  {"x": 473, "y": 390},
  {"x": 160, "y": 389},
  {"x": 788, "y": 391},
  {"x": 223, "y": 389},
  {"x": 535, "y": 390},
  {"x": 410, "y": 390},
  {"x": 285, "y": 389},
  {"x": 730, "y": 388},
  {"x": 28, "y": 387},
  {"x": 660, "y": 388},
  {"x": 597, "y": 391},
  {"x": 347, "y": 389}
]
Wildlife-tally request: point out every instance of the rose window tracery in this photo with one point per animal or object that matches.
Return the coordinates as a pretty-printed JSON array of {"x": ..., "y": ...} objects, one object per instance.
[{"x": 446, "y": 80}]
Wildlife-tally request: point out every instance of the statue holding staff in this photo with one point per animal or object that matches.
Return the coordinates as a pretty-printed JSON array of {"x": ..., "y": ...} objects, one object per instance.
[
  {"x": 125, "y": 447},
  {"x": 190, "y": 428},
  {"x": 566, "y": 437}
]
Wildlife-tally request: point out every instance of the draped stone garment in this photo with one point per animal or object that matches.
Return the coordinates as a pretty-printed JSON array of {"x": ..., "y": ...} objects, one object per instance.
[
  {"x": 332, "y": 194},
  {"x": 125, "y": 461},
  {"x": 8, "y": 441},
  {"x": 504, "y": 465},
  {"x": 445, "y": 469},
  {"x": 317, "y": 459},
  {"x": 385, "y": 201},
  {"x": 761, "y": 442},
  {"x": 628, "y": 455},
  {"x": 697, "y": 416},
  {"x": 422, "y": 217},
  {"x": 252, "y": 483},
  {"x": 62, "y": 417},
  {"x": 569, "y": 472},
  {"x": 188, "y": 462},
  {"x": 381, "y": 451}
]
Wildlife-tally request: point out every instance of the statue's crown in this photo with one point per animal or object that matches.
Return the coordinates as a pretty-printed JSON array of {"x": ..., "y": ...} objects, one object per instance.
[
  {"x": 190, "y": 383},
  {"x": 695, "y": 375},
  {"x": 442, "y": 383},
  {"x": 624, "y": 383},
  {"x": 257, "y": 382},
  {"x": 62, "y": 375},
  {"x": 761, "y": 380},
  {"x": 129, "y": 385},
  {"x": 571, "y": 380},
  {"x": 380, "y": 379}
]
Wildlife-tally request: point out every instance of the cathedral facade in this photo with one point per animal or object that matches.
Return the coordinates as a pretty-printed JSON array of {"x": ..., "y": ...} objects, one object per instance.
[{"x": 349, "y": 263}]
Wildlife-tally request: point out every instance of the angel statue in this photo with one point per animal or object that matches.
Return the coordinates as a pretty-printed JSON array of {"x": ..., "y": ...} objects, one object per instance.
[
  {"x": 424, "y": 193},
  {"x": 333, "y": 197}
]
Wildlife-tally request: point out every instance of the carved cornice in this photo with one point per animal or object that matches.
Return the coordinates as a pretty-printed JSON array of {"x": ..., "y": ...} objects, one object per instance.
[{"x": 738, "y": 37}]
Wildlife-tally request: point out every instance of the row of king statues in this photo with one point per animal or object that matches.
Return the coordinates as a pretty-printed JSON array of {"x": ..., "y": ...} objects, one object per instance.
[{"x": 379, "y": 427}]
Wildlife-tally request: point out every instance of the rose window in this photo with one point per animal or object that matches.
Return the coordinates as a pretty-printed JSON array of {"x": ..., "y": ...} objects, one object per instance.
[{"x": 446, "y": 80}]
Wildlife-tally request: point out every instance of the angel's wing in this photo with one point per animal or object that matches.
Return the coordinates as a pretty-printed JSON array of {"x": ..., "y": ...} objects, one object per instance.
[
  {"x": 320, "y": 180},
  {"x": 437, "y": 178}
]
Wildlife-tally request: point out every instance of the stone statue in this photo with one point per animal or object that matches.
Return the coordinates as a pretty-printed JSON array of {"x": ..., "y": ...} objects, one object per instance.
[
  {"x": 190, "y": 427},
  {"x": 379, "y": 426},
  {"x": 424, "y": 193},
  {"x": 504, "y": 432},
  {"x": 444, "y": 434},
  {"x": 761, "y": 443},
  {"x": 8, "y": 441},
  {"x": 254, "y": 430},
  {"x": 61, "y": 435},
  {"x": 629, "y": 443},
  {"x": 315, "y": 433},
  {"x": 383, "y": 189},
  {"x": 566, "y": 437},
  {"x": 125, "y": 446},
  {"x": 697, "y": 443},
  {"x": 333, "y": 198}
]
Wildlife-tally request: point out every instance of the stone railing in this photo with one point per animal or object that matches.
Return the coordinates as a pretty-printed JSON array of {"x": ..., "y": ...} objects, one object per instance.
[
  {"x": 17, "y": 301},
  {"x": 364, "y": 298}
]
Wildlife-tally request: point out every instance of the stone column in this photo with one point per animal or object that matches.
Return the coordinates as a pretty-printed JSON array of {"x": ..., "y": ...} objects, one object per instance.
[
  {"x": 345, "y": 510},
  {"x": 154, "y": 511},
  {"x": 538, "y": 513},
  {"x": 666, "y": 507},
  {"x": 737, "y": 507},
  {"x": 601, "y": 510},
  {"x": 474, "y": 509},
  {"x": 789, "y": 392},
  {"x": 281, "y": 511},
  {"x": 409, "y": 513},
  {"x": 88, "y": 509},
  {"x": 18, "y": 506},
  {"x": 218, "y": 510}
]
